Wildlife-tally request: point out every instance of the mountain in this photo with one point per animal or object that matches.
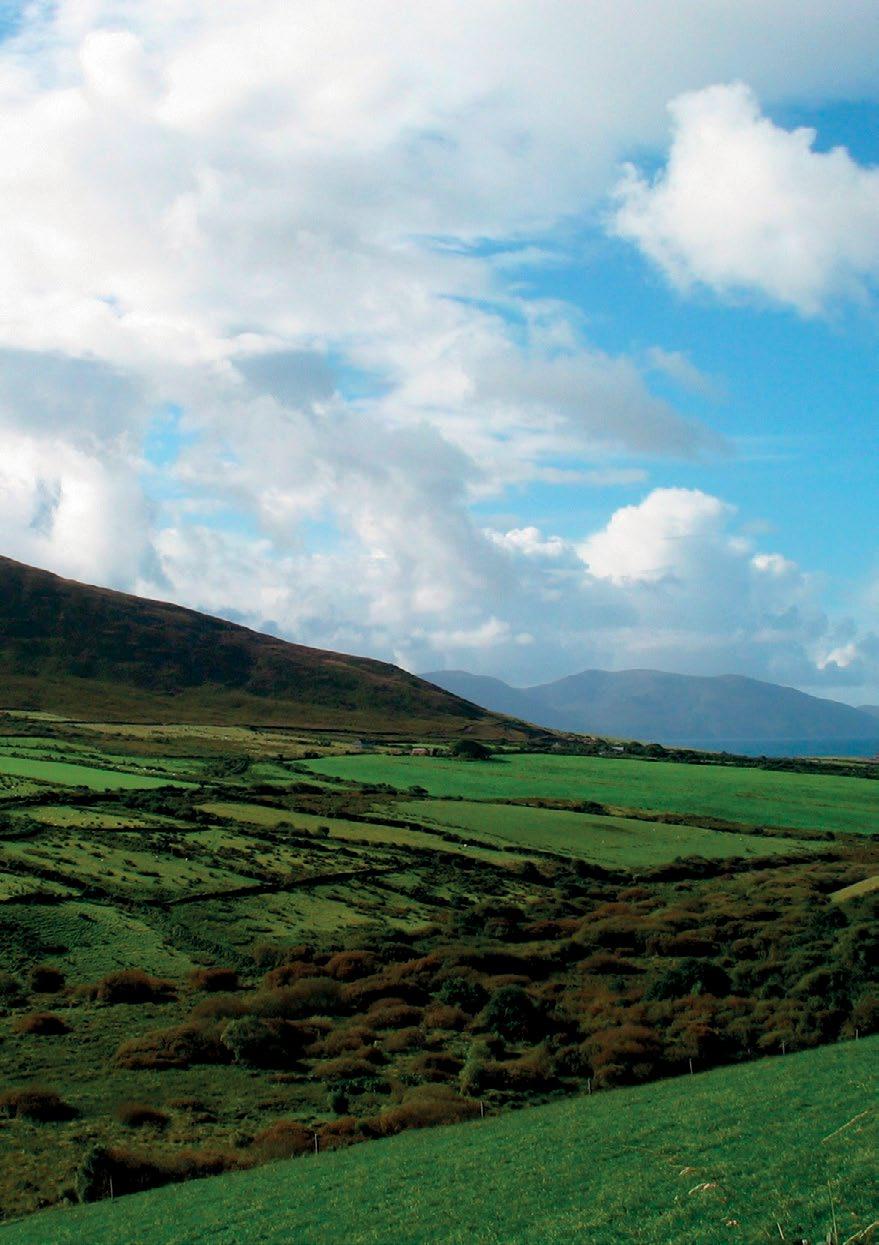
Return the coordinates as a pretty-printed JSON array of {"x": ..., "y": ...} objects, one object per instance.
[
  {"x": 81, "y": 651},
  {"x": 873, "y": 710},
  {"x": 668, "y": 708}
]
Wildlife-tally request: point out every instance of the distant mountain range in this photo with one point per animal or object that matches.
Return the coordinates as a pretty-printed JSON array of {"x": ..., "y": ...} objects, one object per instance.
[
  {"x": 87, "y": 652},
  {"x": 668, "y": 708}
]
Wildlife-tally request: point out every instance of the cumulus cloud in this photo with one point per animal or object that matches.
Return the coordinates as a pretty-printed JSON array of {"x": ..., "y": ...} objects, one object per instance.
[
  {"x": 288, "y": 221},
  {"x": 743, "y": 205}
]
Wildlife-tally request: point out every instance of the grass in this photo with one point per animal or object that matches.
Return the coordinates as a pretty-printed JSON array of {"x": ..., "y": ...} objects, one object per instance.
[
  {"x": 66, "y": 774},
  {"x": 745, "y": 796},
  {"x": 614, "y": 842},
  {"x": 778, "y": 1149}
]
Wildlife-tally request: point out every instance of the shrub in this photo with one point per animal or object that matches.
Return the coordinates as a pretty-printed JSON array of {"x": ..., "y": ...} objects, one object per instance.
[
  {"x": 112, "y": 1171},
  {"x": 346, "y": 1038},
  {"x": 689, "y": 976},
  {"x": 403, "y": 1039},
  {"x": 285, "y": 1139},
  {"x": 264, "y": 1043},
  {"x": 220, "y": 1007},
  {"x": 393, "y": 1014},
  {"x": 141, "y": 1115},
  {"x": 423, "y": 1107},
  {"x": 310, "y": 996},
  {"x": 352, "y": 1067},
  {"x": 177, "y": 1047},
  {"x": 606, "y": 963},
  {"x": 41, "y": 1024},
  {"x": 133, "y": 985},
  {"x": 43, "y": 1106},
  {"x": 511, "y": 1013},
  {"x": 436, "y": 1066},
  {"x": 46, "y": 979},
  {"x": 463, "y": 993},
  {"x": 533, "y": 1070},
  {"x": 213, "y": 980},
  {"x": 348, "y": 965},
  {"x": 289, "y": 974},
  {"x": 444, "y": 1016},
  {"x": 470, "y": 750},
  {"x": 336, "y": 1134}
]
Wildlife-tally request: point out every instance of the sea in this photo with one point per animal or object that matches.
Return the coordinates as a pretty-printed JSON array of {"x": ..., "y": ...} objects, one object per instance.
[{"x": 783, "y": 747}]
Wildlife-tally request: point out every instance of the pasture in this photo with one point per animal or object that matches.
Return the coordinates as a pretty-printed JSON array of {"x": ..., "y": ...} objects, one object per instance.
[
  {"x": 749, "y": 797},
  {"x": 780, "y": 1149}
]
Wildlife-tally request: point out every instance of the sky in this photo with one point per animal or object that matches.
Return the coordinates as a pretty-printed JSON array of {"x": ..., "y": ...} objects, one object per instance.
[{"x": 519, "y": 337}]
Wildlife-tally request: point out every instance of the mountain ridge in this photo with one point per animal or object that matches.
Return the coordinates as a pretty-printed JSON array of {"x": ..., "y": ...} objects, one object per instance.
[
  {"x": 86, "y": 651},
  {"x": 658, "y": 706}
]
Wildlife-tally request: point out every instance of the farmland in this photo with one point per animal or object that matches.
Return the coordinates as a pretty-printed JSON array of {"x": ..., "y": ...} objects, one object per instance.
[
  {"x": 754, "y": 797},
  {"x": 222, "y": 944},
  {"x": 798, "y": 1160}
]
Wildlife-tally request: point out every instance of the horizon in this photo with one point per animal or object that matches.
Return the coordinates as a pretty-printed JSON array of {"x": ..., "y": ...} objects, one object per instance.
[{"x": 519, "y": 342}]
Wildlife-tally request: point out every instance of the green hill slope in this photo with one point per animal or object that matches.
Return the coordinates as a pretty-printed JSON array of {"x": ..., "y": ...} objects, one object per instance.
[
  {"x": 89, "y": 652},
  {"x": 780, "y": 1149}
]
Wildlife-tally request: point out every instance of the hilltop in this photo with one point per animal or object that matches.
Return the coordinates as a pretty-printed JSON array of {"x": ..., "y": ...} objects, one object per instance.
[
  {"x": 668, "y": 708},
  {"x": 81, "y": 651}
]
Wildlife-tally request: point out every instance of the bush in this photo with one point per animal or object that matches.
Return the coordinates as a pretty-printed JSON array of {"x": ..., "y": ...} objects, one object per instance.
[
  {"x": 533, "y": 1070},
  {"x": 264, "y": 1043},
  {"x": 423, "y": 1107},
  {"x": 113, "y": 1171},
  {"x": 40, "y": 1024},
  {"x": 689, "y": 976},
  {"x": 460, "y": 992},
  {"x": 444, "y": 1016},
  {"x": 220, "y": 1007},
  {"x": 213, "y": 980},
  {"x": 399, "y": 1040},
  {"x": 357, "y": 1066},
  {"x": 285, "y": 1139},
  {"x": 141, "y": 1115},
  {"x": 470, "y": 750},
  {"x": 336, "y": 1134},
  {"x": 346, "y": 1038},
  {"x": 348, "y": 965},
  {"x": 178, "y": 1047},
  {"x": 133, "y": 985},
  {"x": 289, "y": 974},
  {"x": 46, "y": 979},
  {"x": 511, "y": 1013},
  {"x": 436, "y": 1066},
  {"x": 43, "y": 1106},
  {"x": 311, "y": 996},
  {"x": 393, "y": 1014}
]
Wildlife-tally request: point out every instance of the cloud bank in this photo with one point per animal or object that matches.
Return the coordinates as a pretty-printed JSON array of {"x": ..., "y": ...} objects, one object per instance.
[{"x": 266, "y": 347}]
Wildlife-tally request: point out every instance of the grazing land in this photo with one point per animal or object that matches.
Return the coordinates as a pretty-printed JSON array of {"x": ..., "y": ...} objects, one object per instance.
[
  {"x": 780, "y": 1149},
  {"x": 754, "y": 797},
  {"x": 225, "y": 946}
]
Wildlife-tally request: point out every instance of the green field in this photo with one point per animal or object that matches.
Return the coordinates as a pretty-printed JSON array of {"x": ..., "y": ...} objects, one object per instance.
[
  {"x": 615, "y": 842},
  {"x": 746, "y": 796},
  {"x": 368, "y": 937},
  {"x": 780, "y": 1149},
  {"x": 67, "y": 774}
]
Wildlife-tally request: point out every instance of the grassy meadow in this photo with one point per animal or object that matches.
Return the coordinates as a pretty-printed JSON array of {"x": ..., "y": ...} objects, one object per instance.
[
  {"x": 217, "y": 945},
  {"x": 754, "y": 797},
  {"x": 779, "y": 1149}
]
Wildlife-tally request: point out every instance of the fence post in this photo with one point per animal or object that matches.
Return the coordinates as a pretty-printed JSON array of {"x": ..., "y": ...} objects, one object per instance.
[{"x": 316, "y": 1143}]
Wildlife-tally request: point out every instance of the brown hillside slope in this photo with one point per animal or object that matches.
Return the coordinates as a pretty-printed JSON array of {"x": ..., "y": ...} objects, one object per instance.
[{"x": 88, "y": 652}]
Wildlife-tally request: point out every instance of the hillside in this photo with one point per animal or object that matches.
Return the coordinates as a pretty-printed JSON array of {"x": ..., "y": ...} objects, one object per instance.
[
  {"x": 90, "y": 652},
  {"x": 636, "y": 1164},
  {"x": 668, "y": 708}
]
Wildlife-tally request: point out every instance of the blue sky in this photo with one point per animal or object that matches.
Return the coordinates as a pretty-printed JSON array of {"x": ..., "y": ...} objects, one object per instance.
[{"x": 518, "y": 340}]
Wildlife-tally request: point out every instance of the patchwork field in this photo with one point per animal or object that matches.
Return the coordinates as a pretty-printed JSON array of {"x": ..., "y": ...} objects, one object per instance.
[
  {"x": 218, "y": 947},
  {"x": 754, "y": 797}
]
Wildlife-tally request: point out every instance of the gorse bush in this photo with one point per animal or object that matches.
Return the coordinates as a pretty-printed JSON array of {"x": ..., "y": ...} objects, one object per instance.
[
  {"x": 43, "y": 1106},
  {"x": 214, "y": 979},
  {"x": 46, "y": 979},
  {"x": 141, "y": 1115},
  {"x": 40, "y": 1024},
  {"x": 133, "y": 985},
  {"x": 177, "y": 1047},
  {"x": 110, "y": 1171},
  {"x": 511, "y": 1013}
]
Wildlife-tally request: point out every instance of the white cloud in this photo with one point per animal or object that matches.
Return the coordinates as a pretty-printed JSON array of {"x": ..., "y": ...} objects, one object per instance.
[
  {"x": 744, "y": 205},
  {"x": 286, "y": 219}
]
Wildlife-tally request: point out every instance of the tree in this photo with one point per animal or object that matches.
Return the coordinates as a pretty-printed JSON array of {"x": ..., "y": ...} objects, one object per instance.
[{"x": 470, "y": 750}]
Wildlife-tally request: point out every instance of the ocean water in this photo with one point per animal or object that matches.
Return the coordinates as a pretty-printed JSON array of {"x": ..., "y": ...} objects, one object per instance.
[{"x": 784, "y": 747}]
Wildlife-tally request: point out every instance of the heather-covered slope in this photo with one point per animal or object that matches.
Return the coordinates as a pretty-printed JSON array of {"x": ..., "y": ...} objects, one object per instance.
[{"x": 91, "y": 652}]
